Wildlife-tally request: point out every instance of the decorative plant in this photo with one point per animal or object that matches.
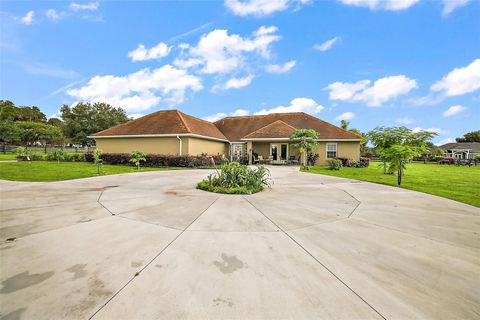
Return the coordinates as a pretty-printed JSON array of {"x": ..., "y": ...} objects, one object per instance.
[
  {"x": 334, "y": 164},
  {"x": 97, "y": 153},
  {"x": 136, "y": 157},
  {"x": 304, "y": 140},
  {"x": 237, "y": 178},
  {"x": 56, "y": 155},
  {"x": 22, "y": 153}
]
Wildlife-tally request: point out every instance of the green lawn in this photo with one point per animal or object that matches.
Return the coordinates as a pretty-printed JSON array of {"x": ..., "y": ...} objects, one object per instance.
[
  {"x": 53, "y": 171},
  {"x": 460, "y": 183},
  {"x": 7, "y": 156}
]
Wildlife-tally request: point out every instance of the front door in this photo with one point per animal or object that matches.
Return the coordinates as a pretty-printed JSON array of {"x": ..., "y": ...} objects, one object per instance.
[
  {"x": 283, "y": 151},
  {"x": 274, "y": 151}
]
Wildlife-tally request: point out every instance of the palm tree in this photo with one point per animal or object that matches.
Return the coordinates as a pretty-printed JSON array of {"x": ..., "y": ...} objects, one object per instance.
[
  {"x": 344, "y": 124},
  {"x": 305, "y": 140}
]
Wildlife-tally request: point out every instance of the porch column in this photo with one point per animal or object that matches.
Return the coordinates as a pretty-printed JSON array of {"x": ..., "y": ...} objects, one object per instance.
[{"x": 249, "y": 151}]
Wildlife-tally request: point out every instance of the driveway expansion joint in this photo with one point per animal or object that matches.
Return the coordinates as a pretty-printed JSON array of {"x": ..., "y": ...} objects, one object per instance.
[
  {"x": 138, "y": 273},
  {"x": 317, "y": 260}
]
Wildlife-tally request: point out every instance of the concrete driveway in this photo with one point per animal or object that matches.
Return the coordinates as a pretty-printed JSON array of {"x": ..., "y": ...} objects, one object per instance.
[{"x": 150, "y": 246}]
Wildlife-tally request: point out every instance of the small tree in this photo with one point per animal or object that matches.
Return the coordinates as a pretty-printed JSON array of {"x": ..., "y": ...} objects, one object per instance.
[
  {"x": 57, "y": 154},
  {"x": 398, "y": 146},
  {"x": 97, "y": 153},
  {"x": 305, "y": 141},
  {"x": 136, "y": 157}
]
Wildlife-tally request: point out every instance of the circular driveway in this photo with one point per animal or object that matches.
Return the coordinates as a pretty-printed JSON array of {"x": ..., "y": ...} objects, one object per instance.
[{"x": 151, "y": 246}]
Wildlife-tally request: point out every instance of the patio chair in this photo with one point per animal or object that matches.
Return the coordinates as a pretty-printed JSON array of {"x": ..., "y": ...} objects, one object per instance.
[
  {"x": 260, "y": 159},
  {"x": 255, "y": 159},
  {"x": 269, "y": 159},
  {"x": 292, "y": 160}
]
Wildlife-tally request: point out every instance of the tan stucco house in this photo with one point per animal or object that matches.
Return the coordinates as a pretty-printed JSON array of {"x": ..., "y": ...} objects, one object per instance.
[{"x": 247, "y": 137}]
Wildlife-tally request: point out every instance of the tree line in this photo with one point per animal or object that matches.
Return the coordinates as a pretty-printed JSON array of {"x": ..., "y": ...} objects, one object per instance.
[{"x": 28, "y": 125}]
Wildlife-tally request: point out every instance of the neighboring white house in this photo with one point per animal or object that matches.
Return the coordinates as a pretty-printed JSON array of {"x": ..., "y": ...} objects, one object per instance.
[{"x": 461, "y": 150}]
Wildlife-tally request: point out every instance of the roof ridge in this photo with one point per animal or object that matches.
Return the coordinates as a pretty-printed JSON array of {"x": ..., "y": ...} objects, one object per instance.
[
  {"x": 260, "y": 115},
  {"x": 271, "y": 123},
  {"x": 183, "y": 121},
  {"x": 328, "y": 123}
]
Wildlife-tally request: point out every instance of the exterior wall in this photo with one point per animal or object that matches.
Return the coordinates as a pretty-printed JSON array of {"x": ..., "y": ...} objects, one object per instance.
[
  {"x": 198, "y": 146},
  {"x": 154, "y": 145},
  {"x": 345, "y": 149}
]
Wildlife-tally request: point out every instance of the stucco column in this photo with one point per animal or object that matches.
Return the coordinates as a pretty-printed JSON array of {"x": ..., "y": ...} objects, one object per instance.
[{"x": 249, "y": 151}]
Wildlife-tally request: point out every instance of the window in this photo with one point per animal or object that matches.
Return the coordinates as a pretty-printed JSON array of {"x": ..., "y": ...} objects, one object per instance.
[{"x": 331, "y": 150}]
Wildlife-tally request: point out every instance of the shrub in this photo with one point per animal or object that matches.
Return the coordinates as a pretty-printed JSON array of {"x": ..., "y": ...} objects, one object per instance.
[
  {"x": 38, "y": 157},
  {"x": 364, "y": 162},
  {"x": 334, "y": 164},
  {"x": 437, "y": 158},
  {"x": 136, "y": 157},
  {"x": 311, "y": 159},
  {"x": 97, "y": 160},
  {"x": 22, "y": 153},
  {"x": 345, "y": 161},
  {"x": 236, "y": 178},
  {"x": 56, "y": 155},
  {"x": 77, "y": 157}
]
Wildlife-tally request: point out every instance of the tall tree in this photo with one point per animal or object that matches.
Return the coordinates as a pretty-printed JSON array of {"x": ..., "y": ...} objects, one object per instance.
[
  {"x": 473, "y": 136},
  {"x": 30, "y": 114},
  {"x": 344, "y": 124},
  {"x": 85, "y": 119},
  {"x": 398, "y": 146},
  {"x": 304, "y": 140}
]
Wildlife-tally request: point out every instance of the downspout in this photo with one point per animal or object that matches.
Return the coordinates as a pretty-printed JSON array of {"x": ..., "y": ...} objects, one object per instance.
[
  {"x": 180, "y": 145},
  {"x": 231, "y": 151}
]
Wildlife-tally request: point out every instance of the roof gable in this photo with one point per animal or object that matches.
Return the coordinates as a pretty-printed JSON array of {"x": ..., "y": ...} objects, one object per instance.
[
  {"x": 235, "y": 128},
  {"x": 277, "y": 129},
  {"x": 472, "y": 146}
]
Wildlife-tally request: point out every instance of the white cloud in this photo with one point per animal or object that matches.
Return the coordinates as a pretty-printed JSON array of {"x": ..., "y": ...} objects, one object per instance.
[
  {"x": 219, "y": 52},
  {"x": 460, "y": 80},
  {"x": 234, "y": 83},
  {"x": 451, "y": 5},
  {"x": 404, "y": 120},
  {"x": 54, "y": 15},
  {"x": 296, "y": 105},
  {"x": 261, "y": 8},
  {"x": 454, "y": 110},
  {"x": 28, "y": 18},
  {"x": 445, "y": 141},
  {"x": 89, "y": 6},
  {"x": 240, "y": 113},
  {"x": 140, "y": 90},
  {"x": 220, "y": 115},
  {"x": 141, "y": 53},
  {"x": 389, "y": 5},
  {"x": 135, "y": 115},
  {"x": 434, "y": 130},
  {"x": 327, "y": 45},
  {"x": 381, "y": 91},
  {"x": 345, "y": 116},
  {"x": 281, "y": 68}
]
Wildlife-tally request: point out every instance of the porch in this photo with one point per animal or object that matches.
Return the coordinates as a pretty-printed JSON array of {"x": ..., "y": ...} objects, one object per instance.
[{"x": 272, "y": 152}]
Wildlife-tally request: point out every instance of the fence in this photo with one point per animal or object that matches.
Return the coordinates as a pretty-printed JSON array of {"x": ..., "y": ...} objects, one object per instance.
[{"x": 38, "y": 149}]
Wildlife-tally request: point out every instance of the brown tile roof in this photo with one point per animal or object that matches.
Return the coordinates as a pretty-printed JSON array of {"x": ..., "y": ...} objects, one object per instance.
[
  {"x": 235, "y": 128},
  {"x": 165, "y": 122},
  {"x": 277, "y": 129}
]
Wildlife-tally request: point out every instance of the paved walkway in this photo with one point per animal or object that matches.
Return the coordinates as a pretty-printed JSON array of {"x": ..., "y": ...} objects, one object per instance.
[{"x": 150, "y": 246}]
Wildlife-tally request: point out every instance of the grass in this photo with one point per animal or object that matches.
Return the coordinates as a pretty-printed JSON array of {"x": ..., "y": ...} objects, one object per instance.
[
  {"x": 7, "y": 156},
  {"x": 460, "y": 183},
  {"x": 41, "y": 171}
]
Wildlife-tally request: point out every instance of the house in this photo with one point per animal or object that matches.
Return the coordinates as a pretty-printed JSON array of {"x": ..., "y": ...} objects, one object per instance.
[
  {"x": 245, "y": 137},
  {"x": 461, "y": 150}
]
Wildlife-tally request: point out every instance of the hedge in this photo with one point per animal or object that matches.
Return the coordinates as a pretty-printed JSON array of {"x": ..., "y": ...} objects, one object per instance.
[
  {"x": 158, "y": 160},
  {"x": 362, "y": 163}
]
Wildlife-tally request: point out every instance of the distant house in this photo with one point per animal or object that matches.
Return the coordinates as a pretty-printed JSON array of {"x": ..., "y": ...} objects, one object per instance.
[
  {"x": 249, "y": 138},
  {"x": 461, "y": 150}
]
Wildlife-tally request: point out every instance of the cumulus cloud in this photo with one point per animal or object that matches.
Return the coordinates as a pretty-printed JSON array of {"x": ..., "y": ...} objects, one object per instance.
[
  {"x": 141, "y": 53},
  {"x": 140, "y": 90},
  {"x": 454, "y": 110},
  {"x": 434, "y": 130},
  {"x": 404, "y": 120},
  {"x": 28, "y": 18},
  {"x": 389, "y": 5},
  {"x": 54, "y": 15},
  {"x": 234, "y": 83},
  {"x": 327, "y": 45},
  {"x": 345, "y": 116},
  {"x": 460, "y": 80},
  {"x": 261, "y": 8},
  {"x": 220, "y": 52},
  {"x": 220, "y": 115},
  {"x": 296, "y": 105},
  {"x": 381, "y": 91},
  {"x": 451, "y": 5},
  {"x": 445, "y": 141},
  {"x": 281, "y": 68},
  {"x": 89, "y": 6}
]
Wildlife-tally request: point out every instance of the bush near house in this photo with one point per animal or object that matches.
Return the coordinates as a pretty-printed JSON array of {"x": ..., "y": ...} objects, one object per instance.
[
  {"x": 158, "y": 160},
  {"x": 362, "y": 163},
  {"x": 334, "y": 164}
]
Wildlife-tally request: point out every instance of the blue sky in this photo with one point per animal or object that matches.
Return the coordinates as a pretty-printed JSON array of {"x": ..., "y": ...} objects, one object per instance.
[{"x": 392, "y": 62}]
